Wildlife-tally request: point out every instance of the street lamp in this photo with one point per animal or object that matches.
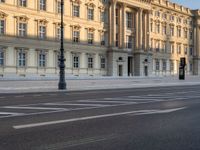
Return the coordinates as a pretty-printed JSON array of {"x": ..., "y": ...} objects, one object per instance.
[{"x": 62, "y": 83}]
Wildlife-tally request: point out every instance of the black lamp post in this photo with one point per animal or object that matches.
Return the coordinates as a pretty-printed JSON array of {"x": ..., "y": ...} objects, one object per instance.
[{"x": 62, "y": 83}]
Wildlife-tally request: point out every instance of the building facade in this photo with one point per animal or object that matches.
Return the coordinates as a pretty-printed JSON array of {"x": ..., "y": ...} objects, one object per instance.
[{"x": 101, "y": 38}]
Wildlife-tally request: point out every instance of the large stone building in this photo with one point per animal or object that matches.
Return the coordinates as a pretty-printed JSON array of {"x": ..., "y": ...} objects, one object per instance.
[{"x": 102, "y": 38}]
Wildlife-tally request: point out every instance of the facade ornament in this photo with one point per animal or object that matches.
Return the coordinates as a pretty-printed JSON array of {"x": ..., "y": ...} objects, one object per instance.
[
  {"x": 22, "y": 18},
  {"x": 76, "y": 27},
  {"x": 3, "y": 15},
  {"x": 42, "y": 21}
]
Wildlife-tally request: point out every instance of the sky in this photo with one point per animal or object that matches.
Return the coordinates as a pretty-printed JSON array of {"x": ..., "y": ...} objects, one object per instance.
[{"x": 193, "y": 4}]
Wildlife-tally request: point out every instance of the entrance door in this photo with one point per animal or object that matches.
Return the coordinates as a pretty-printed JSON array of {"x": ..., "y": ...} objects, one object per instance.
[
  {"x": 130, "y": 66},
  {"x": 146, "y": 70},
  {"x": 120, "y": 70}
]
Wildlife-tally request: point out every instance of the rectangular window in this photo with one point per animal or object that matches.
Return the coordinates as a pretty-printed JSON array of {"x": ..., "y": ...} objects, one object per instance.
[
  {"x": 43, "y": 5},
  {"x": 21, "y": 58},
  {"x": 158, "y": 28},
  {"x": 76, "y": 36},
  {"x": 102, "y": 39},
  {"x": 129, "y": 20},
  {"x": 22, "y": 30},
  {"x": 103, "y": 63},
  {"x": 58, "y": 33},
  {"x": 178, "y": 48},
  {"x": 178, "y": 32},
  {"x": 186, "y": 34},
  {"x": 76, "y": 10},
  {"x": 191, "y": 51},
  {"x": 42, "y": 32},
  {"x": 186, "y": 50},
  {"x": 117, "y": 16},
  {"x": 2, "y": 26},
  {"x": 42, "y": 60},
  {"x": 23, "y": 3},
  {"x": 76, "y": 62},
  {"x": 191, "y": 67},
  {"x": 102, "y": 17},
  {"x": 117, "y": 40},
  {"x": 191, "y": 35},
  {"x": 58, "y": 7},
  {"x": 90, "y": 14},
  {"x": 129, "y": 42},
  {"x": 157, "y": 46},
  {"x": 171, "y": 65},
  {"x": 164, "y": 30},
  {"x": 1, "y": 57},
  {"x": 90, "y": 62},
  {"x": 90, "y": 38},
  {"x": 157, "y": 65},
  {"x": 172, "y": 31},
  {"x": 172, "y": 48},
  {"x": 164, "y": 65}
]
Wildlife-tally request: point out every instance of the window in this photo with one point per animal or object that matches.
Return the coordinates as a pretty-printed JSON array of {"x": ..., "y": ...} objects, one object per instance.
[
  {"x": 76, "y": 10},
  {"x": 90, "y": 38},
  {"x": 102, "y": 17},
  {"x": 117, "y": 40},
  {"x": 191, "y": 51},
  {"x": 117, "y": 16},
  {"x": 129, "y": 20},
  {"x": 75, "y": 61},
  {"x": 179, "y": 48},
  {"x": 172, "y": 31},
  {"x": 151, "y": 26},
  {"x": 102, "y": 39},
  {"x": 1, "y": 57},
  {"x": 22, "y": 29},
  {"x": 43, "y": 5},
  {"x": 21, "y": 58},
  {"x": 42, "y": 32},
  {"x": 58, "y": 8},
  {"x": 158, "y": 28},
  {"x": 164, "y": 30},
  {"x": 42, "y": 59},
  {"x": 157, "y": 65},
  {"x": 164, "y": 47},
  {"x": 186, "y": 34},
  {"x": 23, "y": 3},
  {"x": 157, "y": 13},
  {"x": 185, "y": 49},
  {"x": 164, "y": 65},
  {"x": 157, "y": 46},
  {"x": 58, "y": 33},
  {"x": 90, "y": 14},
  {"x": 172, "y": 48},
  {"x": 76, "y": 36},
  {"x": 2, "y": 26},
  {"x": 171, "y": 65},
  {"x": 191, "y": 35},
  {"x": 90, "y": 62},
  {"x": 191, "y": 67},
  {"x": 103, "y": 63},
  {"x": 172, "y": 18},
  {"x": 164, "y": 16},
  {"x": 178, "y": 32},
  {"x": 129, "y": 42}
]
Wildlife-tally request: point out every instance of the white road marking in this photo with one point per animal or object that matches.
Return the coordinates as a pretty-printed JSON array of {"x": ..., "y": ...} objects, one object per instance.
[
  {"x": 19, "y": 96},
  {"x": 70, "y": 104},
  {"x": 103, "y": 101},
  {"x": 2, "y": 97},
  {"x": 10, "y": 113},
  {"x": 37, "y": 95},
  {"x": 32, "y": 125},
  {"x": 37, "y": 108}
]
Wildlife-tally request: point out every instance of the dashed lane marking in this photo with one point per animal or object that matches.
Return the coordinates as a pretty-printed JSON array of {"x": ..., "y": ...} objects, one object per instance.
[
  {"x": 37, "y": 108},
  {"x": 70, "y": 104}
]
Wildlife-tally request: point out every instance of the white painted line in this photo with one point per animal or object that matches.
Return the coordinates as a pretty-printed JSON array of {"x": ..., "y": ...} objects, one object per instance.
[
  {"x": 2, "y": 97},
  {"x": 32, "y": 125},
  {"x": 19, "y": 96},
  {"x": 37, "y": 108},
  {"x": 10, "y": 113},
  {"x": 103, "y": 101},
  {"x": 69, "y": 104}
]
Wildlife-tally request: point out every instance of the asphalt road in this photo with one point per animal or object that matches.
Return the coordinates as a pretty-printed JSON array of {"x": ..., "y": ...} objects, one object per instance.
[{"x": 162, "y": 118}]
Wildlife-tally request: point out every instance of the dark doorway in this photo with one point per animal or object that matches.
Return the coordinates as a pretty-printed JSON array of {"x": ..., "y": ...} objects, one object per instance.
[
  {"x": 130, "y": 66},
  {"x": 120, "y": 70},
  {"x": 146, "y": 70}
]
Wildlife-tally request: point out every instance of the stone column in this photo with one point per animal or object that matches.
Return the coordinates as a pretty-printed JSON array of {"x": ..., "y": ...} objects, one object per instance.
[
  {"x": 120, "y": 26},
  {"x": 145, "y": 31},
  {"x": 140, "y": 24},
  {"x": 113, "y": 22},
  {"x": 123, "y": 25},
  {"x": 136, "y": 30}
]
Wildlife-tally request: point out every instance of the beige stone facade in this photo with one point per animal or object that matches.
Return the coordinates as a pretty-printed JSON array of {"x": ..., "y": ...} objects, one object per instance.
[{"x": 102, "y": 38}]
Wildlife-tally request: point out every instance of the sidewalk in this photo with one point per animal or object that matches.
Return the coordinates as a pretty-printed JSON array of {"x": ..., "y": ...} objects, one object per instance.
[{"x": 78, "y": 84}]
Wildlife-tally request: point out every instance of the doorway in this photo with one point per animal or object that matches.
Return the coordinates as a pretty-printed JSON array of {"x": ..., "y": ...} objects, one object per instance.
[
  {"x": 130, "y": 66},
  {"x": 146, "y": 70},
  {"x": 120, "y": 70}
]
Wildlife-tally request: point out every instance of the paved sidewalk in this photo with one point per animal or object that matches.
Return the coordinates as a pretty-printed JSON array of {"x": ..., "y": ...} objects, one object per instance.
[{"x": 78, "y": 84}]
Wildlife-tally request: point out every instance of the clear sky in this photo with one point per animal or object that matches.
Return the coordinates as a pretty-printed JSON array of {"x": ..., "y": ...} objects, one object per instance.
[{"x": 193, "y": 4}]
